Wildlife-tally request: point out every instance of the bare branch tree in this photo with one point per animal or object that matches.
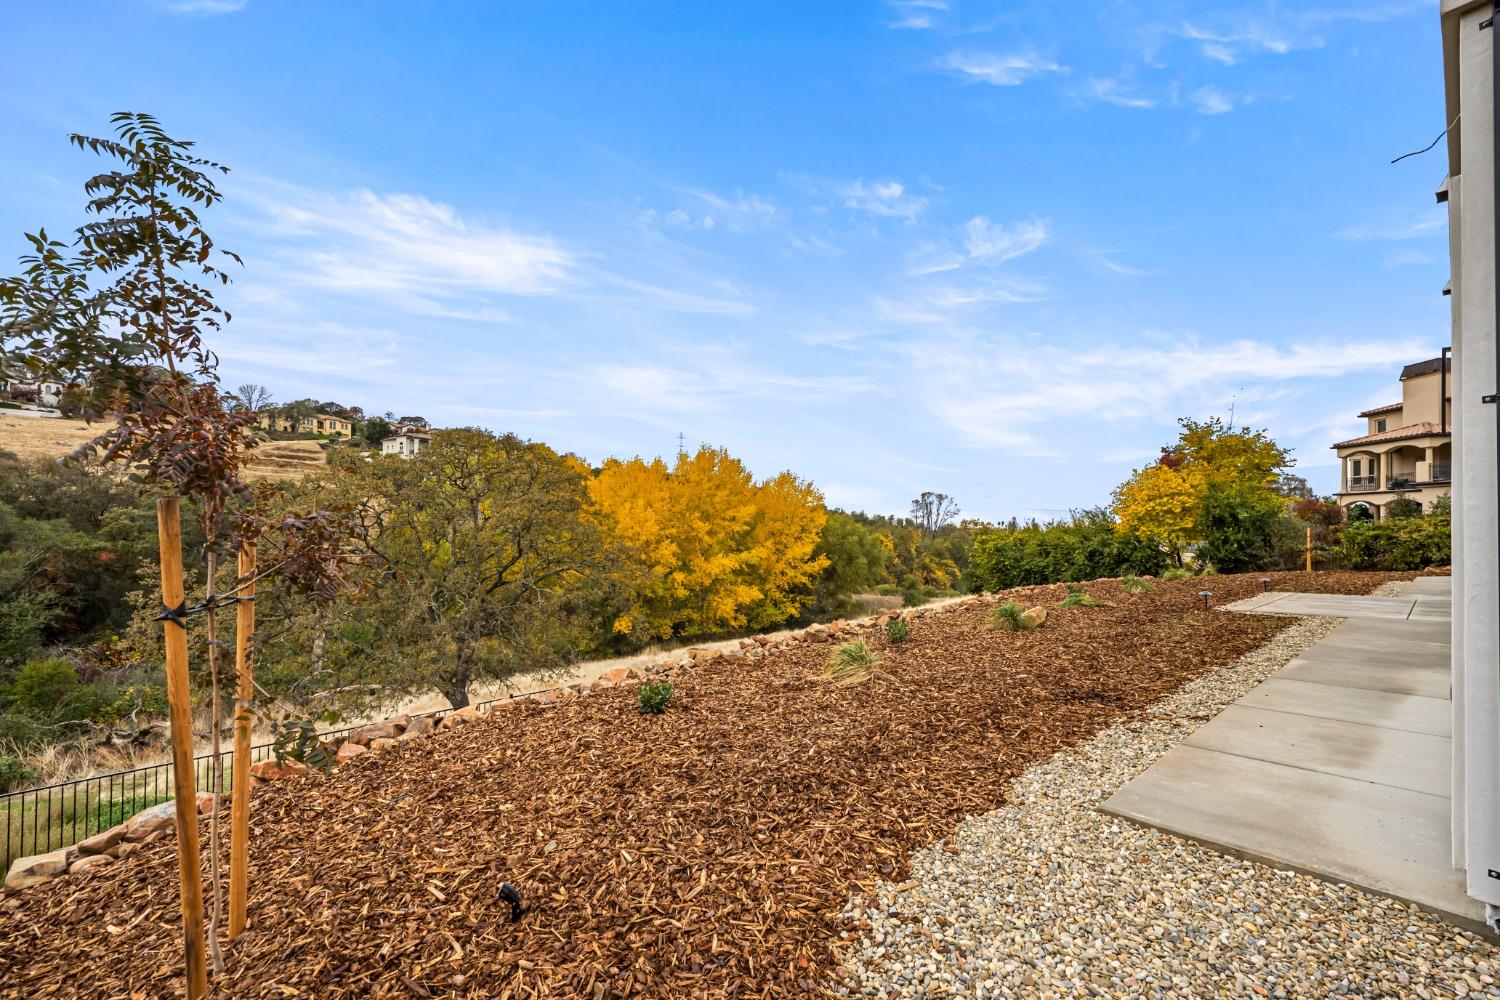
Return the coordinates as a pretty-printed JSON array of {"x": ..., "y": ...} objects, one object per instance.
[
  {"x": 251, "y": 398},
  {"x": 932, "y": 511}
]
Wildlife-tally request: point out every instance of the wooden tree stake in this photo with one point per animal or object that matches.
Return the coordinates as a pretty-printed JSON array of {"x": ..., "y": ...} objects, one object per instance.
[
  {"x": 1308, "y": 549},
  {"x": 244, "y": 695},
  {"x": 179, "y": 701}
]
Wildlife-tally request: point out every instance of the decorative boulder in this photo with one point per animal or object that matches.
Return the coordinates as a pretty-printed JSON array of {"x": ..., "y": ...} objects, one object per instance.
[
  {"x": 101, "y": 843},
  {"x": 269, "y": 770},
  {"x": 460, "y": 717},
  {"x": 38, "y": 868},
  {"x": 619, "y": 675},
  {"x": 1035, "y": 617},
  {"x": 88, "y": 861},
  {"x": 160, "y": 818},
  {"x": 389, "y": 729},
  {"x": 349, "y": 751}
]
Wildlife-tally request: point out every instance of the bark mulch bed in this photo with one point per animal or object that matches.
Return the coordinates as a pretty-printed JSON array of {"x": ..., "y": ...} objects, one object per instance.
[{"x": 705, "y": 852}]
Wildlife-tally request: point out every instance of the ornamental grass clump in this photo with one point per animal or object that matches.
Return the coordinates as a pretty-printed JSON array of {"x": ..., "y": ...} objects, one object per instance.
[
  {"x": 1009, "y": 617},
  {"x": 897, "y": 630},
  {"x": 1135, "y": 585},
  {"x": 853, "y": 662},
  {"x": 653, "y": 697},
  {"x": 1078, "y": 599}
]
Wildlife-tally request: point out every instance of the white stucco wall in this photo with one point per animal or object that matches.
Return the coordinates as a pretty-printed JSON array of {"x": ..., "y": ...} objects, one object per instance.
[{"x": 1477, "y": 532}]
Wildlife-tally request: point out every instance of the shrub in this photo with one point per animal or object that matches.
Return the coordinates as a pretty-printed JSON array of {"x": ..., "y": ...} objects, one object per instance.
[
  {"x": 897, "y": 629},
  {"x": 1177, "y": 573},
  {"x": 853, "y": 662},
  {"x": 912, "y": 595},
  {"x": 1088, "y": 546},
  {"x": 1402, "y": 507},
  {"x": 1009, "y": 617},
  {"x": 1078, "y": 599},
  {"x": 1135, "y": 585},
  {"x": 14, "y": 773},
  {"x": 1398, "y": 545},
  {"x": 1236, "y": 526},
  {"x": 653, "y": 697}
]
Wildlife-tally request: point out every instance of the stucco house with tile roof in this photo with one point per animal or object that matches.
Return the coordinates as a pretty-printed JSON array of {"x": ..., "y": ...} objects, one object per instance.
[{"x": 1407, "y": 449}]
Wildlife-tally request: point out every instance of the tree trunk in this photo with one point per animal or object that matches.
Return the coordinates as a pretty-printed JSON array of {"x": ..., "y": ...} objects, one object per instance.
[{"x": 454, "y": 685}]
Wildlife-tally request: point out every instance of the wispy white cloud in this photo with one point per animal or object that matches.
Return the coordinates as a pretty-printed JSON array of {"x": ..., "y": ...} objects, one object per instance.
[
  {"x": 1248, "y": 35},
  {"x": 989, "y": 241},
  {"x": 887, "y": 198},
  {"x": 1107, "y": 261},
  {"x": 402, "y": 247},
  {"x": 1428, "y": 224},
  {"x": 980, "y": 241},
  {"x": 206, "y": 7},
  {"x": 917, "y": 14},
  {"x": 730, "y": 303},
  {"x": 1006, "y": 392},
  {"x": 1210, "y": 100},
  {"x": 1112, "y": 91},
  {"x": 707, "y": 383},
  {"x": 996, "y": 69}
]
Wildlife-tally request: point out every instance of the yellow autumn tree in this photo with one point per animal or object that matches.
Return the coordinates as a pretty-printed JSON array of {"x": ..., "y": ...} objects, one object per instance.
[
  {"x": 715, "y": 550},
  {"x": 1163, "y": 501}
]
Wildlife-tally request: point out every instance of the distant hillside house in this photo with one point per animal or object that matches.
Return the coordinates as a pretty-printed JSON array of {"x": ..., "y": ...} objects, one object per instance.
[
  {"x": 1408, "y": 448},
  {"x": 48, "y": 394},
  {"x": 407, "y": 444},
  {"x": 318, "y": 423}
]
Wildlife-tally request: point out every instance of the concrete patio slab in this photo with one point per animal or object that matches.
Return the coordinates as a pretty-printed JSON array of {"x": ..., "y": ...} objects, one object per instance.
[
  {"x": 1419, "y": 680},
  {"x": 1418, "y": 762},
  {"x": 1385, "y": 839},
  {"x": 1339, "y": 764},
  {"x": 1432, "y": 716},
  {"x": 1430, "y": 607}
]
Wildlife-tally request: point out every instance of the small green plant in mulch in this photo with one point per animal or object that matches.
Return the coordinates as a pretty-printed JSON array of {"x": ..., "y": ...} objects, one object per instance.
[
  {"x": 897, "y": 629},
  {"x": 653, "y": 697},
  {"x": 853, "y": 663},
  {"x": 1009, "y": 617},
  {"x": 1078, "y": 599},
  {"x": 1135, "y": 585},
  {"x": 1177, "y": 573}
]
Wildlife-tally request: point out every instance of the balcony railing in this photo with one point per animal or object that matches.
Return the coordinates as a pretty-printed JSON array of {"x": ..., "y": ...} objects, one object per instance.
[
  {"x": 1359, "y": 484},
  {"x": 1442, "y": 472},
  {"x": 1401, "y": 481}
]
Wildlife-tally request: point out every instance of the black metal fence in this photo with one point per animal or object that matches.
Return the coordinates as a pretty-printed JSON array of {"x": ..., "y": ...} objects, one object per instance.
[{"x": 45, "y": 818}]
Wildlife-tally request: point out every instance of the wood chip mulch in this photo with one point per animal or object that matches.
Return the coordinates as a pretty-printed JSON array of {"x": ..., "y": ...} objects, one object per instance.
[{"x": 705, "y": 852}]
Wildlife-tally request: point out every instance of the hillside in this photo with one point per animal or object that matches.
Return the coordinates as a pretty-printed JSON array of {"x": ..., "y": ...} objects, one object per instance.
[{"x": 52, "y": 437}]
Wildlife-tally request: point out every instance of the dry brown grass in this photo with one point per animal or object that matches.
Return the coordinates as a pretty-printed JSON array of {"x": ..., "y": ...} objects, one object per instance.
[{"x": 32, "y": 438}]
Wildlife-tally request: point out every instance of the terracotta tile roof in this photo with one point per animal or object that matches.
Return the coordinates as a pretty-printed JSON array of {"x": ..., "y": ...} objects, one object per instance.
[
  {"x": 1387, "y": 408},
  {"x": 1424, "y": 429}
]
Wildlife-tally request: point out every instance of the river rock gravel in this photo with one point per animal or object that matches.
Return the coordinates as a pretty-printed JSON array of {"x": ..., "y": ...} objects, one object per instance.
[{"x": 1048, "y": 897}]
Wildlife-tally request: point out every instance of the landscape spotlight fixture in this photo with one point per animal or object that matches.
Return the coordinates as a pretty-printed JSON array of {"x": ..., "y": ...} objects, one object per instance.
[
  {"x": 1265, "y": 583},
  {"x": 1205, "y": 594}
]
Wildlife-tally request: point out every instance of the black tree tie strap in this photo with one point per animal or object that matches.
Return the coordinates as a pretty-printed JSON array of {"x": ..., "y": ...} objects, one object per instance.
[{"x": 177, "y": 615}]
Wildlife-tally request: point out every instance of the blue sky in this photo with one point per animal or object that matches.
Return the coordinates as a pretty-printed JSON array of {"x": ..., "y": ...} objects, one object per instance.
[{"x": 993, "y": 249}]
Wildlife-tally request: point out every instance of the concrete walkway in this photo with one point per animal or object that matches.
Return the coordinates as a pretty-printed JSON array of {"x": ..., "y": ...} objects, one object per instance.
[{"x": 1337, "y": 765}]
